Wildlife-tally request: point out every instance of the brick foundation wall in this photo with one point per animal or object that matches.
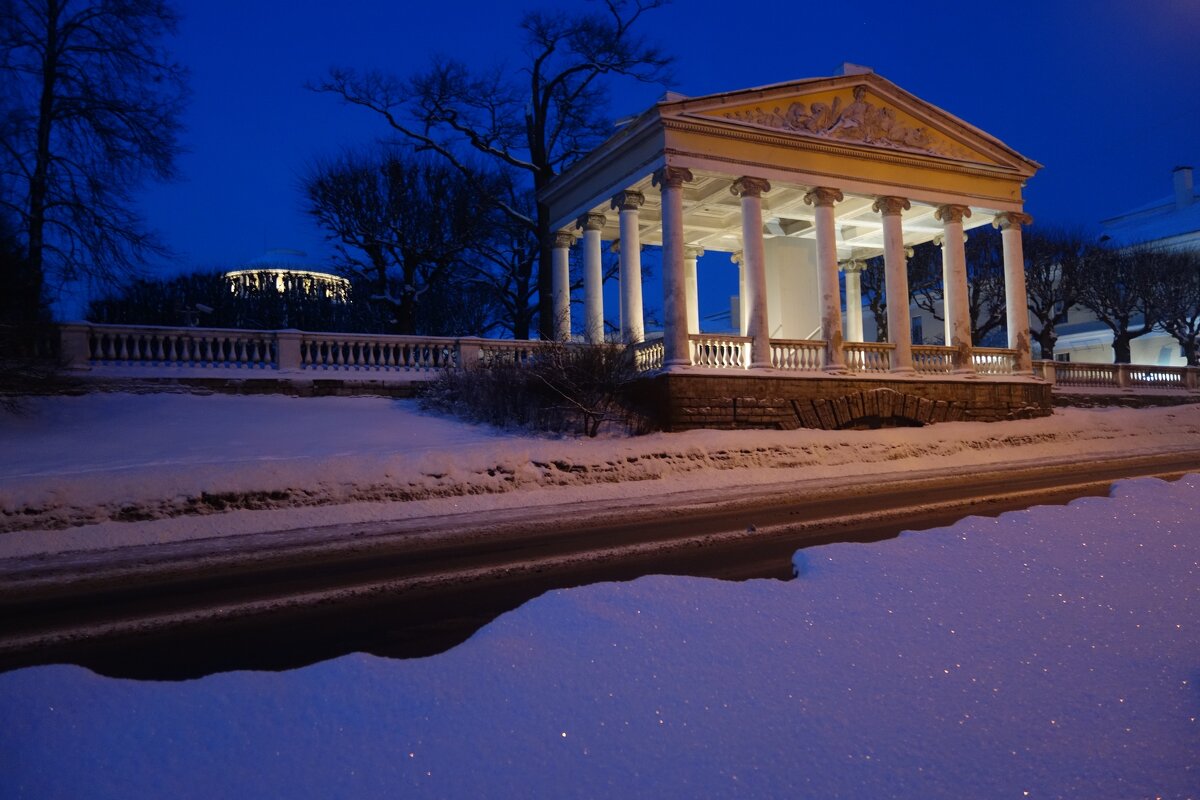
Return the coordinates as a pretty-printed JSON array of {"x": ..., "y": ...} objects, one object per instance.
[{"x": 679, "y": 401}]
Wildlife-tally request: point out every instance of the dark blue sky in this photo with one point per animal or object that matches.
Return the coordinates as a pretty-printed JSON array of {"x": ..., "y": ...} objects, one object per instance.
[{"x": 1104, "y": 93}]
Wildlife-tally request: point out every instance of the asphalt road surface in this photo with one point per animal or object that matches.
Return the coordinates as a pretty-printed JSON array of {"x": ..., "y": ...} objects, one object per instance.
[{"x": 418, "y": 587}]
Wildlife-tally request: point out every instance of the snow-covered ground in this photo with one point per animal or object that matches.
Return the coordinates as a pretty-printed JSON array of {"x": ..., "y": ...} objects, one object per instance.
[
  {"x": 105, "y": 470},
  {"x": 1053, "y": 652}
]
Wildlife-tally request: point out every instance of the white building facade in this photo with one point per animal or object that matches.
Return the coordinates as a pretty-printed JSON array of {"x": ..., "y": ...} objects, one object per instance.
[{"x": 1171, "y": 222}]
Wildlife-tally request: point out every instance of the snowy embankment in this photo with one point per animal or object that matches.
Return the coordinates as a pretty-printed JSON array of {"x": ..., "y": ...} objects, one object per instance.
[
  {"x": 1053, "y": 652},
  {"x": 104, "y": 470}
]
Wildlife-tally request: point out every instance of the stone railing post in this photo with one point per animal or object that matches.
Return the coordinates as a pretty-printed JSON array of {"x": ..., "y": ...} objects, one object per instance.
[
  {"x": 287, "y": 350},
  {"x": 1122, "y": 376},
  {"x": 73, "y": 340},
  {"x": 1191, "y": 378},
  {"x": 1050, "y": 372},
  {"x": 468, "y": 352}
]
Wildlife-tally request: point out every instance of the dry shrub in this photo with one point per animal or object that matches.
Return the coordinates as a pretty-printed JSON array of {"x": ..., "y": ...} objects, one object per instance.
[{"x": 560, "y": 388}]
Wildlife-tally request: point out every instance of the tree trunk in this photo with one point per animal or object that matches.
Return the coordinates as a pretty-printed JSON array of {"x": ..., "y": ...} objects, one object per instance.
[
  {"x": 1046, "y": 340},
  {"x": 39, "y": 181},
  {"x": 545, "y": 276},
  {"x": 881, "y": 329},
  {"x": 521, "y": 316},
  {"x": 1121, "y": 349},
  {"x": 1191, "y": 352}
]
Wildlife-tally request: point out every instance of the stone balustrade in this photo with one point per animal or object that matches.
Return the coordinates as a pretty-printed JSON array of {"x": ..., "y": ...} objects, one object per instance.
[
  {"x": 934, "y": 359},
  {"x": 1074, "y": 374},
  {"x": 153, "y": 350},
  {"x": 100, "y": 347},
  {"x": 720, "y": 351},
  {"x": 152, "y": 346},
  {"x": 333, "y": 352},
  {"x": 1159, "y": 377},
  {"x": 805, "y": 355},
  {"x": 648, "y": 356},
  {"x": 994, "y": 360},
  {"x": 868, "y": 356}
]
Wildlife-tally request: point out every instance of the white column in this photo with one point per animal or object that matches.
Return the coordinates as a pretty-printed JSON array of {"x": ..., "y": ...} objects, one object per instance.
[
  {"x": 690, "y": 255},
  {"x": 561, "y": 283},
  {"x": 738, "y": 258},
  {"x": 895, "y": 272},
  {"x": 676, "y": 352},
  {"x": 947, "y": 333},
  {"x": 632, "y": 319},
  {"x": 854, "y": 320},
  {"x": 828, "y": 296},
  {"x": 593, "y": 278},
  {"x": 956, "y": 305},
  {"x": 751, "y": 190},
  {"x": 1016, "y": 302}
]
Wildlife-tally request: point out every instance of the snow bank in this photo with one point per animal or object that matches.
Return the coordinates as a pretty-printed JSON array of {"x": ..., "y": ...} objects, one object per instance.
[
  {"x": 1047, "y": 653},
  {"x": 187, "y": 466}
]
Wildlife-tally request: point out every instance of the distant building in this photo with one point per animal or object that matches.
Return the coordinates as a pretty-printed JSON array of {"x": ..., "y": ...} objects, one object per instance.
[
  {"x": 1171, "y": 222},
  {"x": 288, "y": 271}
]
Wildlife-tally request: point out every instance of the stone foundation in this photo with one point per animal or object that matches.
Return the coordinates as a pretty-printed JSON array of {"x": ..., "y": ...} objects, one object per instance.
[{"x": 680, "y": 401}]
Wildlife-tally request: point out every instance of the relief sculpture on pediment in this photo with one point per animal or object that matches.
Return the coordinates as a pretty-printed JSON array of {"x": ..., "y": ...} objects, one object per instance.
[{"x": 857, "y": 121}]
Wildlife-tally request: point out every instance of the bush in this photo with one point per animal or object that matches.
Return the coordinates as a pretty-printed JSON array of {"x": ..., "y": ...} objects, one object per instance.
[{"x": 561, "y": 388}]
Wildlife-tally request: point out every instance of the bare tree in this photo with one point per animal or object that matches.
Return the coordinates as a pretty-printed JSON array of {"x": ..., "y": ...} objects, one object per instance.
[
  {"x": 925, "y": 279},
  {"x": 401, "y": 223},
  {"x": 535, "y": 120},
  {"x": 1053, "y": 259},
  {"x": 89, "y": 108},
  {"x": 1117, "y": 286},
  {"x": 506, "y": 260},
  {"x": 874, "y": 291},
  {"x": 1175, "y": 294},
  {"x": 985, "y": 283}
]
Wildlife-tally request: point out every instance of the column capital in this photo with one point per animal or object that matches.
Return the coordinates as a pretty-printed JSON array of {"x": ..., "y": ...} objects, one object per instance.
[
  {"x": 951, "y": 213},
  {"x": 737, "y": 256},
  {"x": 747, "y": 186},
  {"x": 628, "y": 200},
  {"x": 671, "y": 177},
  {"x": 823, "y": 196},
  {"x": 940, "y": 239},
  {"x": 908, "y": 251},
  {"x": 889, "y": 205},
  {"x": 592, "y": 221},
  {"x": 692, "y": 251},
  {"x": 1011, "y": 219},
  {"x": 615, "y": 246},
  {"x": 562, "y": 238},
  {"x": 853, "y": 266}
]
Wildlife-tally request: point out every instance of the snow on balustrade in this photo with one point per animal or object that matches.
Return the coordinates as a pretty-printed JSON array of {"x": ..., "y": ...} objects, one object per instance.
[
  {"x": 180, "y": 347},
  {"x": 798, "y": 354},
  {"x": 335, "y": 351},
  {"x": 719, "y": 351},
  {"x": 994, "y": 361},
  {"x": 868, "y": 356},
  {"x": 933, "y": 359}
]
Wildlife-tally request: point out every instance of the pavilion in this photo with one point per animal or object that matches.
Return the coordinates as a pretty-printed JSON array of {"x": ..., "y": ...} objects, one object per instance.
[{"x": 797, "y": 181}]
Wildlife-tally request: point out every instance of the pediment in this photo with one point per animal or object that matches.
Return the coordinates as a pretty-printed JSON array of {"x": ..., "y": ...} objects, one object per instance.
[{"x": 864, "y": 111}]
